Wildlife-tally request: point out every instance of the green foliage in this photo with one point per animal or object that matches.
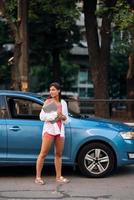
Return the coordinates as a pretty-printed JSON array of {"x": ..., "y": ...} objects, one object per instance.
[
  {"x": 11, "y": 9},
  {"x": 104, "y": 8},
  {"x": 52, "y": 25},
  {"x": 41, "y": 76},
  {"x": 119, "y": 64},
  {"x": 65, "y": 10},
  {"x": 5, "y": 74},
  {"x": 117, "y": 75},
  {"x": 5, "y": 71},
  {"x": 121, "y": 42},
  {"x": 4, "y": 33},
  {"x": 56, "y": 23},
  {"x": 69, "y": 73},
  {"x": 123, "y": 15}
]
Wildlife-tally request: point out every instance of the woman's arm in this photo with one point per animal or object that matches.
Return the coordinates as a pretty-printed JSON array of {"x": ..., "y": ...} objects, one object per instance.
[{"x": 65, "y": 111}]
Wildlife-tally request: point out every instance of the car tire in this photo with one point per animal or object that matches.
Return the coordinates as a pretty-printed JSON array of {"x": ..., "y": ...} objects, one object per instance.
[{"x": 96, "y": 160}]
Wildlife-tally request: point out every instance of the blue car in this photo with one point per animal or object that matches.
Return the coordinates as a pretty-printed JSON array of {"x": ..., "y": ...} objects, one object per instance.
[{"x": 97, "y": 146}]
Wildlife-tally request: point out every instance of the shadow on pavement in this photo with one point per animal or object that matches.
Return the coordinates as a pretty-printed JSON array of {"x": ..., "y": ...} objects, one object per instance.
[
  {"x": 125, "y": 170},
  {"x": 6, "y": 171}
]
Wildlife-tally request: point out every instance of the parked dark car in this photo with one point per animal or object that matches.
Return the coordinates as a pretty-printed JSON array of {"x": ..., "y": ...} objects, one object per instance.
[{"x": 96, "y": 145}]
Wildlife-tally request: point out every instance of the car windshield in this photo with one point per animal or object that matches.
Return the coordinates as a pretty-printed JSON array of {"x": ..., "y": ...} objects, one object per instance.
[{"x": 40, "y": 97}]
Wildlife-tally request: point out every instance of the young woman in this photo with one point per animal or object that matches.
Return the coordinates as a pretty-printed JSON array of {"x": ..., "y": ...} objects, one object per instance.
[{"x": 53, "y": 131}]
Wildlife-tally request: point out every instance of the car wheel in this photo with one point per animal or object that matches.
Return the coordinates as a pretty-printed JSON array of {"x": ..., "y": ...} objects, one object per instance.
[{"x": 96, "y": 160}]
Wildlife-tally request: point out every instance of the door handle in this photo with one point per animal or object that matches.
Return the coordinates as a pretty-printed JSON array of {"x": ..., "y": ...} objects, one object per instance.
[{"x": 14, "y": 128}]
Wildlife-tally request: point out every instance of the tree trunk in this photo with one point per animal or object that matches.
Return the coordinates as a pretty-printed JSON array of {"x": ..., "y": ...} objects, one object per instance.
[
  {"x": 130, "y": 79},
  {"x": 15, "y": 75},
  {"x": 23, "y": 60},
  {"x": 99, "y": 53}
]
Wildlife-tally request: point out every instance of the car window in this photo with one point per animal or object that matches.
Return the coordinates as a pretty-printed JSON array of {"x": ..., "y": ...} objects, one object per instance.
[
  {"x": 3, "y": 110},
  {"x": 23, "y": 108}
]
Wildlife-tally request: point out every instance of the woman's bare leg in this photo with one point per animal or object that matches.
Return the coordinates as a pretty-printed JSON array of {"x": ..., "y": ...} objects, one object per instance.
[
  {"x": 46, "y": 144},
  {"x": 59, "y": 145}
]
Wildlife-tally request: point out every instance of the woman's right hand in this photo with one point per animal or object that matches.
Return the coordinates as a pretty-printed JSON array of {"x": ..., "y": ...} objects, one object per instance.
[{"x": 61, "y": 116}]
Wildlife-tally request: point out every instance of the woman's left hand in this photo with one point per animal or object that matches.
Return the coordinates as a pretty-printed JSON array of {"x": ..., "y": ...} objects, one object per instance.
[{"x": 63, "y": 117}]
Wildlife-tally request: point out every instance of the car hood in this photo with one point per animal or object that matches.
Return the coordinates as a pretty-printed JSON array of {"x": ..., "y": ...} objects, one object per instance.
[{"x": 96, "y": 122}]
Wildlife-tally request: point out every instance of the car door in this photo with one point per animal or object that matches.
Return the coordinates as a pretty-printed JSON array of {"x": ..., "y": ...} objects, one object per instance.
[
  {"x": 25, "y": 131},
  {"x": 3, "y": 130}
]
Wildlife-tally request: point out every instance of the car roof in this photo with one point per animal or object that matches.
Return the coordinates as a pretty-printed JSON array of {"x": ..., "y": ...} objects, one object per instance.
[
  {"x": 20, "y": 93},
  {"x": 15, "y": 92}
]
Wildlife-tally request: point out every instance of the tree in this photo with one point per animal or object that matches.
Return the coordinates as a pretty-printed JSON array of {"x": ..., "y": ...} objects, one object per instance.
[
  {"x": 52, "y": 32},
  {"x": 124, "y": 20},
  {"x": 18, "y": 25},
  {"x": 56, "y": 22},
  {"x": 99, "y": 50}
]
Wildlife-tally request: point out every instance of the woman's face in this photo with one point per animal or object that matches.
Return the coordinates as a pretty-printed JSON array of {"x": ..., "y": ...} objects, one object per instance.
[{"x": 54, "y": 92}]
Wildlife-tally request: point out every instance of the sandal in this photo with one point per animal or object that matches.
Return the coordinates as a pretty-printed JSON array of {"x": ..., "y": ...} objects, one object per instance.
[
  {"x": 61, "y": 179},
  {"x": 39, "y": 181}
]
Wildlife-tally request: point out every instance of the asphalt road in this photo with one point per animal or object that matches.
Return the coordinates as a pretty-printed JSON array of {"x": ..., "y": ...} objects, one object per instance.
[{"x": 17, "y": 183}]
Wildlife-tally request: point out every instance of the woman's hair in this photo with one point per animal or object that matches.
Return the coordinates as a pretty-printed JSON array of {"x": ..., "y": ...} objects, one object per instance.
[{"x": 58, "y": 87}]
